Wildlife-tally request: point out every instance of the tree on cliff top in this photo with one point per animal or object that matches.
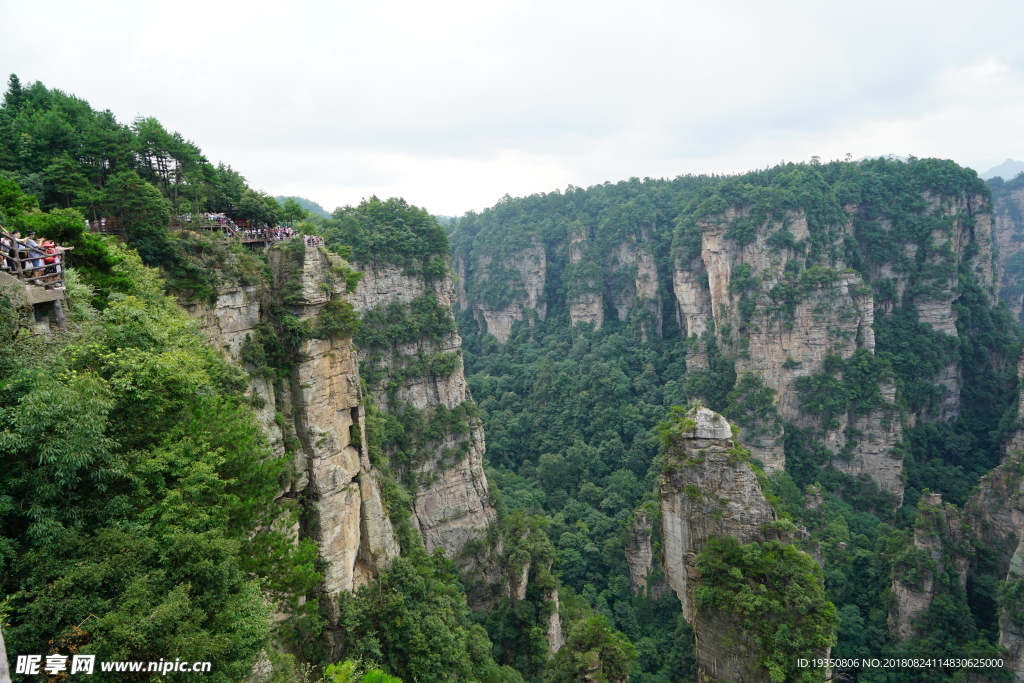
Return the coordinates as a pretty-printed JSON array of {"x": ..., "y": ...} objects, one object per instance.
[{"x": 391, "y": 231}]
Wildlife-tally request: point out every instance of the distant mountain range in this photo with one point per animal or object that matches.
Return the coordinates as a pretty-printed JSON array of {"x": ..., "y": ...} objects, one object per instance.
[
  {"x": 1008, "y": 170},
  {"x": 307, "y": 204}
]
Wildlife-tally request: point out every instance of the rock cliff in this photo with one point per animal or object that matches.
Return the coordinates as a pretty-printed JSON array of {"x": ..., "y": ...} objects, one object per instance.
[
  {"x": 782, "y": 283},
  {"x": 708, "y": 490},
  {"x": 1008, "y": 234},
  {"x": 514, "y": 289},
  {"x": 312, "y": 411},
  {"x": 639, "y": 551},
  {"x": 941, "y": 545},
  {"x": 782, "y": 326},
  {"x": 996, "y": 515},
  {"x": 315, "y": 411},
  {"x": 424, "y": 377}
]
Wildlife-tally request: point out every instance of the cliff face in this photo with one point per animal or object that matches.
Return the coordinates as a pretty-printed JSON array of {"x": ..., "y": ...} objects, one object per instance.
[
  {"x": 317, "y": 413},
  {"x": 639, "y": 551},
  {"x": 782, "y": 327},
  {"x": 1008, "y": 233},
  {"x": 517, "y": 283},
  {"x": 707, "y": 492},
  {"x": 783, "y": 285},
  {"x": 452, "y": 504},
  {"x": 941, "y": 543},
  {"x": 996, "y": 515}
]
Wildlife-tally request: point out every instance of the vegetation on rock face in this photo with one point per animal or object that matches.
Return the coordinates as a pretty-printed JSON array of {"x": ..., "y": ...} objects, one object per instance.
[
  {"x": 569, "y": 411},
  {"x": 137, "y": 502},
  {"x": 772, "y": 594}
]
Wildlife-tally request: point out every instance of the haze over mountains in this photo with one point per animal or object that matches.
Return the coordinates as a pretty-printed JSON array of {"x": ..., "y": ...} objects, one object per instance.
[{"x": 1008, "y": 170}]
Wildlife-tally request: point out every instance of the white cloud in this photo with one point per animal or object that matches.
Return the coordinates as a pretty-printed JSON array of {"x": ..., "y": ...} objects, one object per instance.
[{"x": 453, "y": 104}]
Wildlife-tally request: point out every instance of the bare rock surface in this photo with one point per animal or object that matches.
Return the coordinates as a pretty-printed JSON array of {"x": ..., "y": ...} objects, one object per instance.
[{"x": 452, "y": 505}]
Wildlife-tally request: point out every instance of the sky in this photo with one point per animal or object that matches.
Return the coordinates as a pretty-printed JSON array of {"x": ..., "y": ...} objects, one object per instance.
[{"x": 453, "y": 104}]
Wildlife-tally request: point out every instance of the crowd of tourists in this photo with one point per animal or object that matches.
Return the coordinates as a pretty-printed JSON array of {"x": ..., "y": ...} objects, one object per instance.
[
  {"x": 314, "y": 241},
  {"x": 204, "y": 219},
  {"x": 268, "y": 234},
  {"x": 37, "y": 261}
]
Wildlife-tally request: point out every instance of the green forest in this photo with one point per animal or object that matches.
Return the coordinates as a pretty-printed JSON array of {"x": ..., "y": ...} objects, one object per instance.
[{"x": 140, "y": 507}]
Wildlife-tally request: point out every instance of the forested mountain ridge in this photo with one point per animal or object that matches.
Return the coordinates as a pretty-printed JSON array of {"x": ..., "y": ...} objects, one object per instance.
[
  {"x": 332, "y": 447},
  {"x": 843, "y": 315}
]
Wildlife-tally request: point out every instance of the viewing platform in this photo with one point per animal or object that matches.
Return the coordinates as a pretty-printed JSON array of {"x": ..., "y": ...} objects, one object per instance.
[{"x": 33, "y": 272}]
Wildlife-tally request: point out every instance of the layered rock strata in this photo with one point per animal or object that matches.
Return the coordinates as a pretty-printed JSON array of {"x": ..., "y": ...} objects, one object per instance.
[{"x": 452, "y": 504}]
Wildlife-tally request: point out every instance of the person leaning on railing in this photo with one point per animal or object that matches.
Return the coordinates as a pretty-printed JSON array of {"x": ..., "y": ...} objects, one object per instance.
[{"x": 6, "y": 250}]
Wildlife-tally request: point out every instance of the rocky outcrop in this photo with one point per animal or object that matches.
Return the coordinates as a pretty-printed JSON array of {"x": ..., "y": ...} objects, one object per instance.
[
  {"x": 555, "y": 635},
  {"x": 639, "y": 551},
  {"x": 693, "y": 297},
  {"x": 1011, "y": 628},
  {"x": 1008, "y": 234},
  {"x": 781, "y": 320},
  {"x": 996, "y": 514},
  {"x": 1016, "y": 441},
  {"x": 632, "y": 286},
  {"x": 586, "y": 303},
  {"x": 314, "y": 413},
  {"x": 522, "y": 276},
  {"x": 452, "y": 504},
  {"x": 707, "y": 491},
  {"x": 940, "y": 543}
]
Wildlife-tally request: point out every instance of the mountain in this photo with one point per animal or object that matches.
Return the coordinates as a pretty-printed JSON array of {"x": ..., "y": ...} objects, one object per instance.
[
  {"x": 1008, "y": 170},
  {"x": 307, "y": 204},
  {"x": 842, "y": 316},
  {"x": 648, "y": 431}
]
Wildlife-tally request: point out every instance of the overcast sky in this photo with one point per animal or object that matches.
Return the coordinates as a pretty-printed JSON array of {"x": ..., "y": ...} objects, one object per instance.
[{"x": 454, "y": 103}]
